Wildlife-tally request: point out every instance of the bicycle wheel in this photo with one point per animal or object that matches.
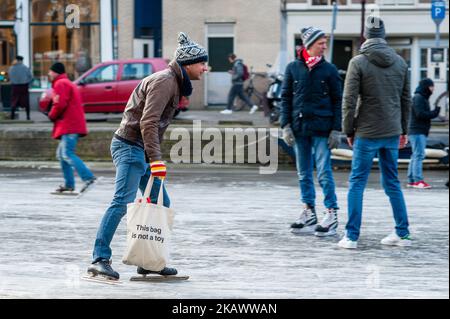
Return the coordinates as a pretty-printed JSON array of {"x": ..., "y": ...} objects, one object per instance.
[{"x": 442, "y": 102}]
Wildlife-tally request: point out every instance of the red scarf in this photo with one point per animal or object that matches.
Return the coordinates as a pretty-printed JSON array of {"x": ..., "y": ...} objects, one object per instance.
[{"x": 311, "y": 61}]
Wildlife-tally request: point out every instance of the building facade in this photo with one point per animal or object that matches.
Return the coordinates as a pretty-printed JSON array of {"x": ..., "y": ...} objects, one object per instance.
[
  {"x": 140, "y": 28},
  {"x": 409, "y": 27},
  {"x": 77, "y": 33},
  {"x": 249, "y": 28}
]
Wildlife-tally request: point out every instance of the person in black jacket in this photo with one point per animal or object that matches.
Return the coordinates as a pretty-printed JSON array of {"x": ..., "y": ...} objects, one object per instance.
[
  {"x": 419, "y": 128},
  {"x": 311, "y": 122}
]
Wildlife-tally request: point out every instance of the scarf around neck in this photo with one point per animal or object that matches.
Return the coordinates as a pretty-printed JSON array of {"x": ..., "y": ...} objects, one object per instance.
[
  {"x": 186, "y": 89},
  {"x": 311, "y": 61}
]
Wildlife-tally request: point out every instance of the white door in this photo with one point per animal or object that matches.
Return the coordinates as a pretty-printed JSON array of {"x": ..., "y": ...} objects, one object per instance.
[{"x": 143, "y": 48}]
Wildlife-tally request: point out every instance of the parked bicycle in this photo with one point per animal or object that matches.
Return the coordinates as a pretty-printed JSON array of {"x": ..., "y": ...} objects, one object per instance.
[{"x": 257, "y": 97}]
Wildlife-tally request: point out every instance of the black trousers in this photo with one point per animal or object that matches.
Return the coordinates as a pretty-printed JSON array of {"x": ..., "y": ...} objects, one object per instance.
[{"x": 20, "y": 98}]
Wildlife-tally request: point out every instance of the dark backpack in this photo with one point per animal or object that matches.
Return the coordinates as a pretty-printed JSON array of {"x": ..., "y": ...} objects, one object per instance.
[{"x": 246, "y": 74}]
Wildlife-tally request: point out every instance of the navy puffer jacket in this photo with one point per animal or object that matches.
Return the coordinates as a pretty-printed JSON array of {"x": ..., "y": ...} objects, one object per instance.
[{"x": 311, "y": 100}]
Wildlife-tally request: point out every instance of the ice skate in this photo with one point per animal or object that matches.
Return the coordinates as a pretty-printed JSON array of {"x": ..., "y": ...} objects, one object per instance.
[
  {"x": 102, "y": 272},
  {"x": 328, "y": 225},
  {"x": 167, "y": 274},
  {"x": 88, "y": 186},
  {"x": 306, "y": 224},
  {"x": 64, "y": 191}
]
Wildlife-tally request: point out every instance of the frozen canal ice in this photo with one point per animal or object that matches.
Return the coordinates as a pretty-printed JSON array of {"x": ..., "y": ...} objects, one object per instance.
[{"x": 231, "y": 235}]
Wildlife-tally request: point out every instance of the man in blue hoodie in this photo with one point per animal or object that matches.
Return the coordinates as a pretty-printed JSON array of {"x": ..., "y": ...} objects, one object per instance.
[{"x": 419, "y": 128}]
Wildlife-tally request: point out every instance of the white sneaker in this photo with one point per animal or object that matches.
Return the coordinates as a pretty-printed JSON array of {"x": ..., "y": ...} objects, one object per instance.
[
  {"x": 394, "y": 240},
  {"x": 254, "y": 109},
  {"x": 346, "y": 243},
  {"x": 226, "y": 112}
]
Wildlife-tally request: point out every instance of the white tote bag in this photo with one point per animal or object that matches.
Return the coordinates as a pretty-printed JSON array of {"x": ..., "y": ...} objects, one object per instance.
[{"x": 149, "y": 228}]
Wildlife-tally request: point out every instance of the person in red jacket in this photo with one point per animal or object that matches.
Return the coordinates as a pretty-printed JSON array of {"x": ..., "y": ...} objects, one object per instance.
[{"x": 67, "y": 114}]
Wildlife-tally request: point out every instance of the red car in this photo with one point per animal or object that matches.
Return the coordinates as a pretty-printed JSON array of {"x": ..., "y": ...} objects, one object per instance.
[{"x": 107, "y": 87}]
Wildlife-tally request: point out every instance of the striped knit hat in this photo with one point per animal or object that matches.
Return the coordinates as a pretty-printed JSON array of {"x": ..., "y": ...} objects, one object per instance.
[
  {"x": 189, "y": 52},
  {"x": 311, "y": 35}
]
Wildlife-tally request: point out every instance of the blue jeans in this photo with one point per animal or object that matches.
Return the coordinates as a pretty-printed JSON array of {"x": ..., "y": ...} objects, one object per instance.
[
  {"x": 310, "y": 150},
  {"x": 418, "y": 144},
  {"x": 69, "y": 160},
  {"x": 132, "y": 172},
  {"x": 364, "y": 151}
]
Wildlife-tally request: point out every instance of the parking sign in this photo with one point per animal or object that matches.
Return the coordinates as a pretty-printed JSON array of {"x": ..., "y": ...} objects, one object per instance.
[{"x": 438, "y": 11}]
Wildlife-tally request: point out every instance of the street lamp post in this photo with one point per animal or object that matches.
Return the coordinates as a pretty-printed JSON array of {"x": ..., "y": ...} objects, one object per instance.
[{"x": 363, "y": 20}]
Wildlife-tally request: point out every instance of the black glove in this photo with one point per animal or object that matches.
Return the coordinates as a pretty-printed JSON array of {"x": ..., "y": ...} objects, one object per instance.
[
  {"x": 437, "y": 110},
  {"x": 334, "y": 139}
]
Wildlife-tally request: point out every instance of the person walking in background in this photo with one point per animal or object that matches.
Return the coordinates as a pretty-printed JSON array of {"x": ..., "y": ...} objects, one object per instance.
[
  {"x": 20, "y": 77},
  {"x": 376, "y": 107},
  {"x": 238, "y": 77},
  {"x": 419, "y": 128},
  {"x": 311, "y": 122},
  {"x": 69, "y": 125}
]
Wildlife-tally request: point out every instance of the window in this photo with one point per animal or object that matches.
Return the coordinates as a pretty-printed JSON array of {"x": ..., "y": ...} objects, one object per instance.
[
  {"x": 103, "y": 74},
  {"x": 7, "y": 48},
  {"x": 423, "y": 63},
  {"x": 219, "y": 49},
  {"x": 8, "y": 10},
  {"x": 136, "y": 71},
  {"x": 52, "y": 40}
]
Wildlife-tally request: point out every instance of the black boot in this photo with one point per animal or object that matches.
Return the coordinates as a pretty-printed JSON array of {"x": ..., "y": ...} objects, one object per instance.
[
  {"x": 103, "y": 267},
  {"x": 165, "y": 272}
]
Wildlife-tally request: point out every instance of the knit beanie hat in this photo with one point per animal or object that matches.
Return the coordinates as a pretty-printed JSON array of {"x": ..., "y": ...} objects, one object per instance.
[
  {"x": 311, "y": 35},
  {"x": 189, "y": 52},
  {"x": 58, "y": 67},
  {"x": 374, "y": 28}
]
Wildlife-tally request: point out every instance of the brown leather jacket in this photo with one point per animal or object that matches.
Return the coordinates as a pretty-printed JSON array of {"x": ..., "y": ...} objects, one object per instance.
[{"x": 150, "y": 110}]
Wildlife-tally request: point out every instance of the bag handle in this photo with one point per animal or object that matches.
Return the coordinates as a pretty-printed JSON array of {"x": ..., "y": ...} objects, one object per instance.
[{"x": 148, "y": 189}]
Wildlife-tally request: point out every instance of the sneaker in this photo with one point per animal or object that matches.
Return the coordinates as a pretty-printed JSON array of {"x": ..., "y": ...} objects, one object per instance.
[
  {"x": 63, "y": 189},
  {"x": 421, "y": 185},
  {"x": 347, "y": 243},
  {"x": 88, "y": 184},
  {"x": 226, "y": 112},
  {"x": 254, "y": 109},
  {"x": 328, "y": 225},
  {"x": 165, "y": 272},
  {"x": 410, "y": 185},
  {"x": 307, "y": 221},
  {"x": 394, "y": 240}
]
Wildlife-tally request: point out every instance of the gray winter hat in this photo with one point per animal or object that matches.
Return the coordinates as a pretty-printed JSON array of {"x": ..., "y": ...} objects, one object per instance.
[
  {"x": 374, "y": 28},
  {"x": 189, "y": 52},
  {"x": 311, "y": 35}
]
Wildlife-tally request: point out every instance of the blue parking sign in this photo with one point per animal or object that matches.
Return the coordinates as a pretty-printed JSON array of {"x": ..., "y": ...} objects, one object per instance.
[{"x": 438, "y": 11}]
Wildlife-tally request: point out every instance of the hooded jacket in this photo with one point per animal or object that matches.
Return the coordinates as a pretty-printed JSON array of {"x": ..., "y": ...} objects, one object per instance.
[
  {"x": 67, "y": 112},
  {"x": 421, "y": 114},
  {"x": 377, "y": 98}
]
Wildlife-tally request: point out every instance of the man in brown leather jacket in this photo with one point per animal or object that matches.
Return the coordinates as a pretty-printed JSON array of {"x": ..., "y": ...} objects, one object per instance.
[{"x": 138, "y": 140}]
